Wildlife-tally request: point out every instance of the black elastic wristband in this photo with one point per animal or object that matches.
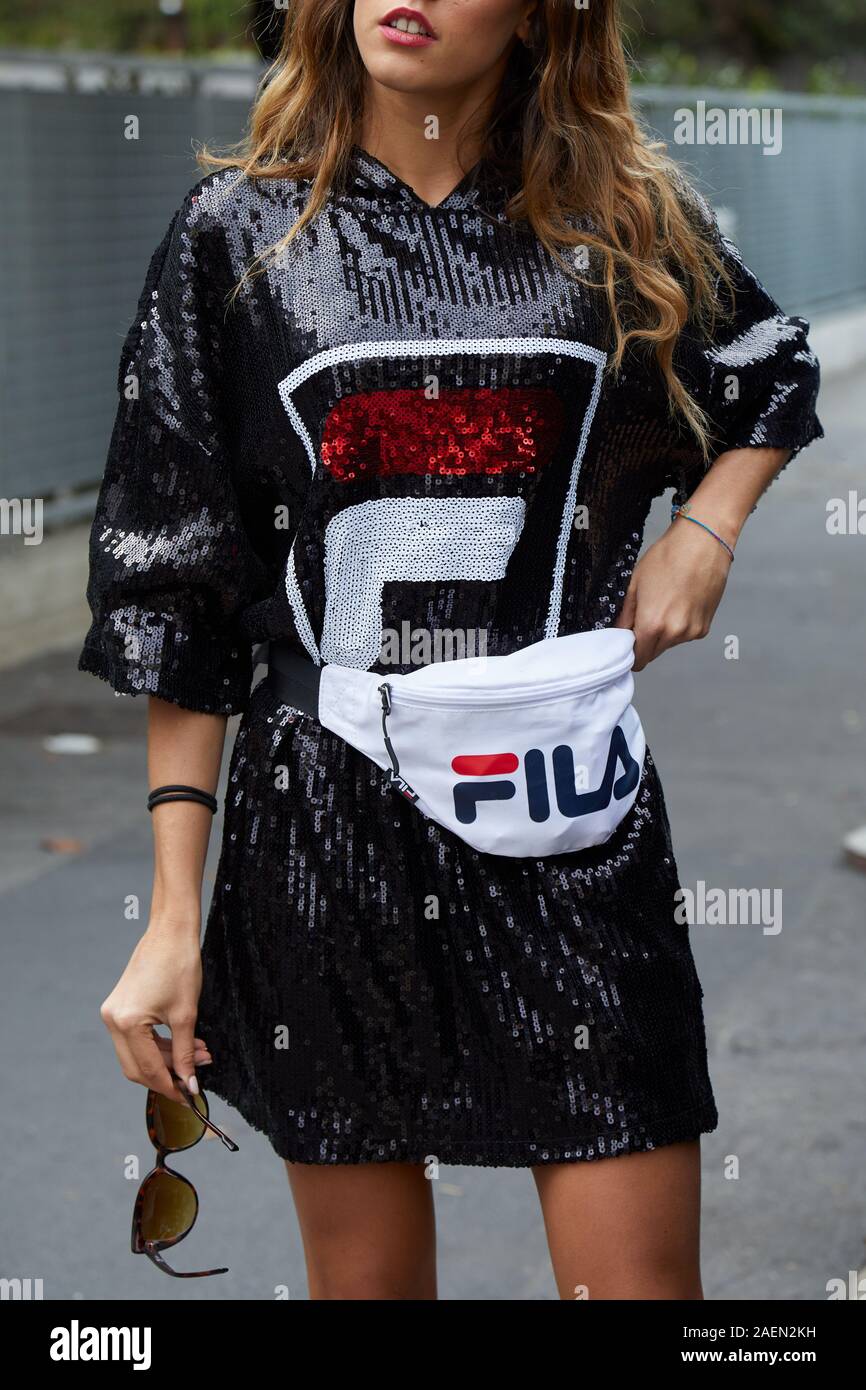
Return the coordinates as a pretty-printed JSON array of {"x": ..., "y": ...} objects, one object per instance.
[
  {"x": 179, "y": 792},
  {"x": 181, "y": 796},
  {"x": 180, "y": 787}
]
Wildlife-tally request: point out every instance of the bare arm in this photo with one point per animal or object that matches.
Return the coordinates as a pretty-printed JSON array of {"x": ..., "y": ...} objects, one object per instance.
[
  {"x": 678, "y": 584},
  {"x": 733, "y": 485},
  {"x": 162, "y": 982}
]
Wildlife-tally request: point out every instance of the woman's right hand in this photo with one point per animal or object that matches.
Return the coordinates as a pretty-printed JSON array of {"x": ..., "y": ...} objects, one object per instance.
[{"x": 161, "y": 984}]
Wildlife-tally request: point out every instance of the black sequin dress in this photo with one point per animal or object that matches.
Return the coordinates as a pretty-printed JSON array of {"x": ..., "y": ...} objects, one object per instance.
[{"x": 405, "y": 429}]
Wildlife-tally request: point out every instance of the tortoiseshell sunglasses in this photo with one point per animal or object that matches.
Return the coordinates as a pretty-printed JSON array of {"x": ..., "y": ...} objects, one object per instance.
[{"x": 167, "y": 1203}]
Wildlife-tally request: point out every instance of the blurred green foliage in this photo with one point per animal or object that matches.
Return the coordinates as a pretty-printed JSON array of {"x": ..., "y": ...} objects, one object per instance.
[
  {"x": 742, "y": 43},
  {"x": 749, "y": 43},
  {"x": 125, "y": 26},
  {"x": 759, "y": 32}
]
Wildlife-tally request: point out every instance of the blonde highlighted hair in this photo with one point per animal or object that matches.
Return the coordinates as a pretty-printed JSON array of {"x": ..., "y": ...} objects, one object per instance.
[{"x": 562, "y": 126}]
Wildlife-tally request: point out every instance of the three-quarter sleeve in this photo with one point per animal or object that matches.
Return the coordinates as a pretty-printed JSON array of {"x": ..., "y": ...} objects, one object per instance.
[
  {"x": 171, "y": 563},
  {"x": 755, "y": 374}
]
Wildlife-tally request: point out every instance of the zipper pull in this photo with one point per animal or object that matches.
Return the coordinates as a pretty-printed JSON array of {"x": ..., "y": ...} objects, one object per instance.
[{"x": 398, "y": 783}]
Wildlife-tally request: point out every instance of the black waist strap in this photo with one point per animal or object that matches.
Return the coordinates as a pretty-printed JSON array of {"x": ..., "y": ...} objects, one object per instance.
[{"x": 293, "y": 678}]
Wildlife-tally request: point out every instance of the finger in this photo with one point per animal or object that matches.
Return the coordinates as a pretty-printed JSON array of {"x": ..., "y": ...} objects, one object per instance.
[
  {"x": 148, "y": 1066},
  {"x": 183, "y": 1050},
  {"x": 124, "y": 1056},
  {"x": 136, "y": 1046},
  {"x": 120, "y": 1041},
  {"x": 626, "y": 615},
  {"x": 202, "y": 1051},
  {"x": 646, "y": 648},
  {"x": 672, "y": 636}
]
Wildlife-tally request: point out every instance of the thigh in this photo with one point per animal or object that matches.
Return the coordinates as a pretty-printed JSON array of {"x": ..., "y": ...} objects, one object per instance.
[
  {"x": 368, "y": 1230},
  {"x": 626, "y": 1227}
]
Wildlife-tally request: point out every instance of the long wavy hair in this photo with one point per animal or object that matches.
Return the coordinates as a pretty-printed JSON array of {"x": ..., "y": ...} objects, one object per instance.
[{"x": 562, "y": 127}]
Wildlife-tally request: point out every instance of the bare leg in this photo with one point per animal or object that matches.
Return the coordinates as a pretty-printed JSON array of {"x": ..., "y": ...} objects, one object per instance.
[
  {"x": 368, "y": 1230},
  {"x": 626, "y": 1227}
]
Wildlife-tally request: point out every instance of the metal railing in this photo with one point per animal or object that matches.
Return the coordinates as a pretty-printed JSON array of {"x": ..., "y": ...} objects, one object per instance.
[
  {"x": 798, "y": 215},
  {"x": 84, "y": 207}
]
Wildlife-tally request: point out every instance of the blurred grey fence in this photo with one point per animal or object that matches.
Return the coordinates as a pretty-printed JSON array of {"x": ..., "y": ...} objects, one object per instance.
[{"x": 84, "y": 207}]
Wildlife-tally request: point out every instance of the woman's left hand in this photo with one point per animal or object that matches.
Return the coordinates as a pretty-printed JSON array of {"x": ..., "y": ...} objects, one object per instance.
[{"x": 675, "y": 590}]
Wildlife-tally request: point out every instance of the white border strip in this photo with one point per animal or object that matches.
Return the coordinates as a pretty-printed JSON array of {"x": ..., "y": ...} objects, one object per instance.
[
  {"x": 446, "y": 347},
  {"x": 554, "y": 612}
]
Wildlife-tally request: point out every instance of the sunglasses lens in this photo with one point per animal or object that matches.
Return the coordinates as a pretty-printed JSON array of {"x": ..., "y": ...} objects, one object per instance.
[
  {"x": 177, "y": 1126},
  {"x": 167, "y": 1207}
]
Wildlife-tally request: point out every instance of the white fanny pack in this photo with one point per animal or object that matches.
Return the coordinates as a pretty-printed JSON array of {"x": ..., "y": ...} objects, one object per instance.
[{"x": 536, "y": 753}]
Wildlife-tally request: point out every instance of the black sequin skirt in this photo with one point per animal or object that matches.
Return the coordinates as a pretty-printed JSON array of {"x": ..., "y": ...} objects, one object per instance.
[{"x": 376, "y": 990}]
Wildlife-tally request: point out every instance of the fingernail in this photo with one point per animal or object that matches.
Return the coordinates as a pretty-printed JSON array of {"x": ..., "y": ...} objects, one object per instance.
[{"x": 193, "y": 1085}]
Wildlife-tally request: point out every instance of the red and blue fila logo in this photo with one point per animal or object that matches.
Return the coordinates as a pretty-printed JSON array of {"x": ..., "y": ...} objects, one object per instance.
[{"x": 570, "y": 802}]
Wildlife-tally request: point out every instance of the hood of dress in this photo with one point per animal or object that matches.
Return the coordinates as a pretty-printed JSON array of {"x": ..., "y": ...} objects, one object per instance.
[{"x": 480, "y": 189}]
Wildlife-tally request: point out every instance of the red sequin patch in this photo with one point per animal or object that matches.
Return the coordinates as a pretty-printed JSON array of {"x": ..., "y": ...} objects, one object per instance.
[{"x": 465, "y": 430}]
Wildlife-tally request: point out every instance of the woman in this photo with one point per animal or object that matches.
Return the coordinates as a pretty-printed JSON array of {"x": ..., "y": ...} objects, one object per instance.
[{"x": 392, "y": 302}]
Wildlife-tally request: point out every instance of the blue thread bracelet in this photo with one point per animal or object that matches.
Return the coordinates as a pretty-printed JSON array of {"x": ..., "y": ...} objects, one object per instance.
[{"x": 680, "y": 511}]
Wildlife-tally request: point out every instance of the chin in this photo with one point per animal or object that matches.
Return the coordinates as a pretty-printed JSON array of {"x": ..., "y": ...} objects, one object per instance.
[{"x": 398, "y": 77}]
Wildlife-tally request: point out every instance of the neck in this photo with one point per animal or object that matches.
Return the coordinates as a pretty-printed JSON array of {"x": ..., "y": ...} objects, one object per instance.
[{"x": 430, "y": 154}]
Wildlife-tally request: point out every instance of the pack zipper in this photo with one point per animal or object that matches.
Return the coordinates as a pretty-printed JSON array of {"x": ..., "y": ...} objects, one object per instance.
[
  {"x": 537, "y": 695},
  {"x": 398, "y": 783}
]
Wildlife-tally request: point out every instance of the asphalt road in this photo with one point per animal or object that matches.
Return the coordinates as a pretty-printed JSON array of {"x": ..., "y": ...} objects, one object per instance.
[{"x": 763, "y": 760}]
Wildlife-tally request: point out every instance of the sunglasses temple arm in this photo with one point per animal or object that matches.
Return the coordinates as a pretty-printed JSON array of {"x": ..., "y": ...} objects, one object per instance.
[
  {"x": 229, "y": 1143},
  {"x": 178, "y": 1273}
]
